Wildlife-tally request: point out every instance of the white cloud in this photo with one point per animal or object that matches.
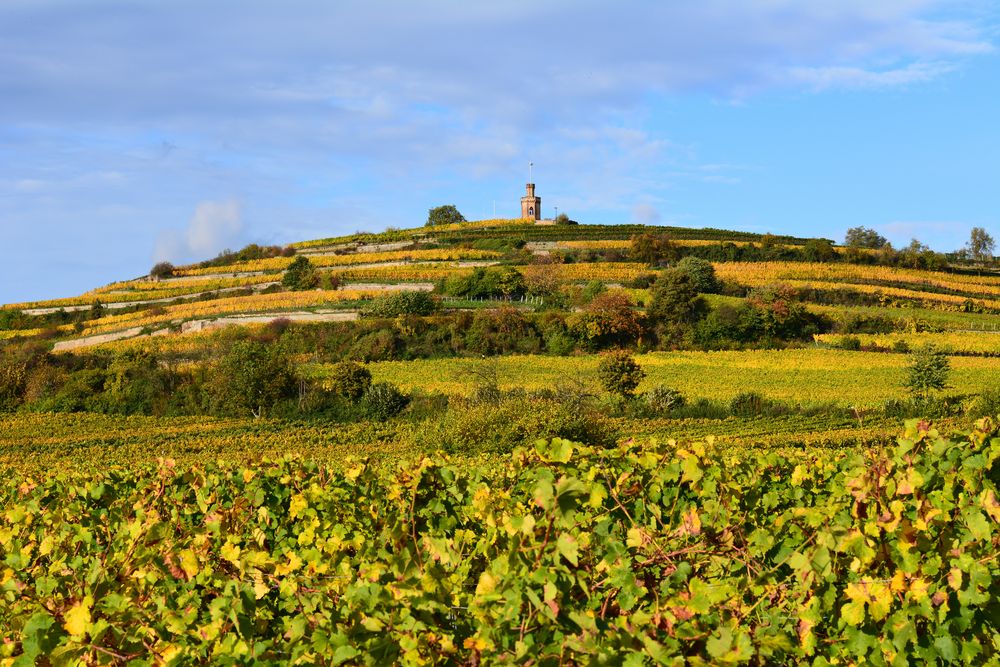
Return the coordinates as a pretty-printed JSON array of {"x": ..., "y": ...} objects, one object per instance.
[{"x": 215, "y": 226}]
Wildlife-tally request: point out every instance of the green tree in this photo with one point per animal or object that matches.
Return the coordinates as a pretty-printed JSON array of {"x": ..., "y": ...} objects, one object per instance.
[
  {"x": 251, "y": 378},
  {"x": 701, "y": 272},
  {"x": 300, "y": 275},
  {"x": 444, "y": 215},
  {"x": 981, "y": 246},
  {"x": 619, "y": 373},
  {"x": 928, "y": 372},
  {"x": 675, "y": 306},
  {"x": 863, "y": 237}
]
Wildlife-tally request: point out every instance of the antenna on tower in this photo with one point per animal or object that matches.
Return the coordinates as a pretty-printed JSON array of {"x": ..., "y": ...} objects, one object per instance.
[{"x": 530, "y": 165}]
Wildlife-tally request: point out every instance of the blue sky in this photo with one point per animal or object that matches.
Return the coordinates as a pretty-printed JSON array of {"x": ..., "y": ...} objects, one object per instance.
[{"x": 136, "y": 131}]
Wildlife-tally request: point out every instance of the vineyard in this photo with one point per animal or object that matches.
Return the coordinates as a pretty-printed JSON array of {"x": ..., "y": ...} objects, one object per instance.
[
  {"x": 496, "y": 442},
  {"x": 560, "y": 553},
  {"x": 803, "y": 375}
]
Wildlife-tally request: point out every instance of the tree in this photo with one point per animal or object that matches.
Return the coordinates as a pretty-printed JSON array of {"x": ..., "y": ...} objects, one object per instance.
[
  {"x": 619, "y": 373},
  {"x": 563, "y": 219},
  {"x": 252, "y": 377},
  {"x": 300, "y": 274},
  {"x": 161, "y": 270},
  {"x": 609, "y": 319},
  {"x": 444, "y": 215},
  {"x": 863, "y": 237},
  {"x": 701, "y": 272},
  {"x": 981, "y": 246},
  {"x": 675, "y": 306},
  {"x": 652, "y": 248},
  {"x": 928, "y": 371}
]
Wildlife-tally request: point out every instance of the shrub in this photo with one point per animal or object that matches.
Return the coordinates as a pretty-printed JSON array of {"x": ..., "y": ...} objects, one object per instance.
[
  {"x": 401, "y": 303},
  {"x": 652, "y": 248},
  {"x": 384, "y": 400},
  {"x": 161, "y": 270},
  {"x": 300, "y": 275},
  {"x": 663, "y": 399},
  {"x": 901, "y": 346},
  {"x": 701, "y": 272},
  {"x": 928, "y": 372},
  {"x": 619, "y": 373},
  {"x": 485, "y": 283},
  {"x": 350, "y": 380},
  {"x": 748, "y": 404},
  {"x": 849, "y": 343},
  {"x": 251, "y": 377},
  {"x": 499, "y": 428},
  {"x": 986, "y": 404}
]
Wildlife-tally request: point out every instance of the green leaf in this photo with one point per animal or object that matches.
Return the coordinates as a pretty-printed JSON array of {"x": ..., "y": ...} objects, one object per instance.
[
  {"x": 853, "y": 613},
  {"x": 568, "y": 547}
]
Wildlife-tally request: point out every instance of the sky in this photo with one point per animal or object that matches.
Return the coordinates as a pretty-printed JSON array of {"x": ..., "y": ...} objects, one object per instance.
[{"x": 138, "y": 131}]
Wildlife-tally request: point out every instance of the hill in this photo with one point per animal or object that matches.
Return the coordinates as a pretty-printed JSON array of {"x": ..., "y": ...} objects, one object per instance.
[{"x": 494, "y": 440}]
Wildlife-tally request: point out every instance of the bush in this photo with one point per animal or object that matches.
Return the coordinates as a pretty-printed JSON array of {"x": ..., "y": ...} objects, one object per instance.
[
  {"x": 487, "y": 283},
  {"x": 251, "y": 377},
  {"x": 849, "y": 343},
  {"x": 663, "y": 399},
  {"x": 619, "y": 373},
  {"x": 350, "y": 380},
  {"x": 513, "y": 422},
  {"x": 748, "y": 404},
  {"x": 401, "y": 303},
  {"x": 986, "y": 404},
  {"x": 384, "y": 401},
  {"x": 300, "y": 275},
  {"x": 928, "y": 372},
  {"x": 653, "y": 249},
  {"x": 161, "y": 270},
  {"x": 701, "y": 272}
]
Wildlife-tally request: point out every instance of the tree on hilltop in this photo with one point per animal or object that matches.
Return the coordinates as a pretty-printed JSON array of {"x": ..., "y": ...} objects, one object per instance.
[
  {"x": 863, "y": 237},
  {"x": 444, "y": 215},
  {"x": 981, "y": 246}
]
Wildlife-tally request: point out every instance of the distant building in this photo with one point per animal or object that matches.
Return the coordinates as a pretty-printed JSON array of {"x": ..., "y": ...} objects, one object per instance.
[{"x": 531, "y": 206}]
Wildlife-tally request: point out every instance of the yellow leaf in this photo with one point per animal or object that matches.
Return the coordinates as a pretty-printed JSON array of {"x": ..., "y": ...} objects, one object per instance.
[
  {"x": 189, "y": 563},
  {"x": 991, "y": 505},
  {"x": 918, "y": 589},
  {"x": 898, "y": 584},
  {"x": 230, "y": 552},
  {"x": 297, "y": 505},
  {"x": 77, "y": 619},
  {"x": 955, "y": 578},
  {"x": 634, "y": 538},
  {"x": 487, "y": 584}
]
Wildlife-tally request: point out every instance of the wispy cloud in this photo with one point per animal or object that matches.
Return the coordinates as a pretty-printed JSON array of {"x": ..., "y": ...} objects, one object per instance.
[{"x": 215, "y": 226}]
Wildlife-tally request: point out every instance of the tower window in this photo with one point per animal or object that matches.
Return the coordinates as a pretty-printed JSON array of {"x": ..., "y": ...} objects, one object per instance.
[{"x": 531, "y": 210}]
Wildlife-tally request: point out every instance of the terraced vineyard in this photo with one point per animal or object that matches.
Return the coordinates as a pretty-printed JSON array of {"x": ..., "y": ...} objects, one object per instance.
[{"x": 499, "y": 442}]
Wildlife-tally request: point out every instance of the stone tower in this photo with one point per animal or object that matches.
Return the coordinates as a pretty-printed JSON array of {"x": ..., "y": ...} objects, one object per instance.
[{"x": 531, "y": 206}]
